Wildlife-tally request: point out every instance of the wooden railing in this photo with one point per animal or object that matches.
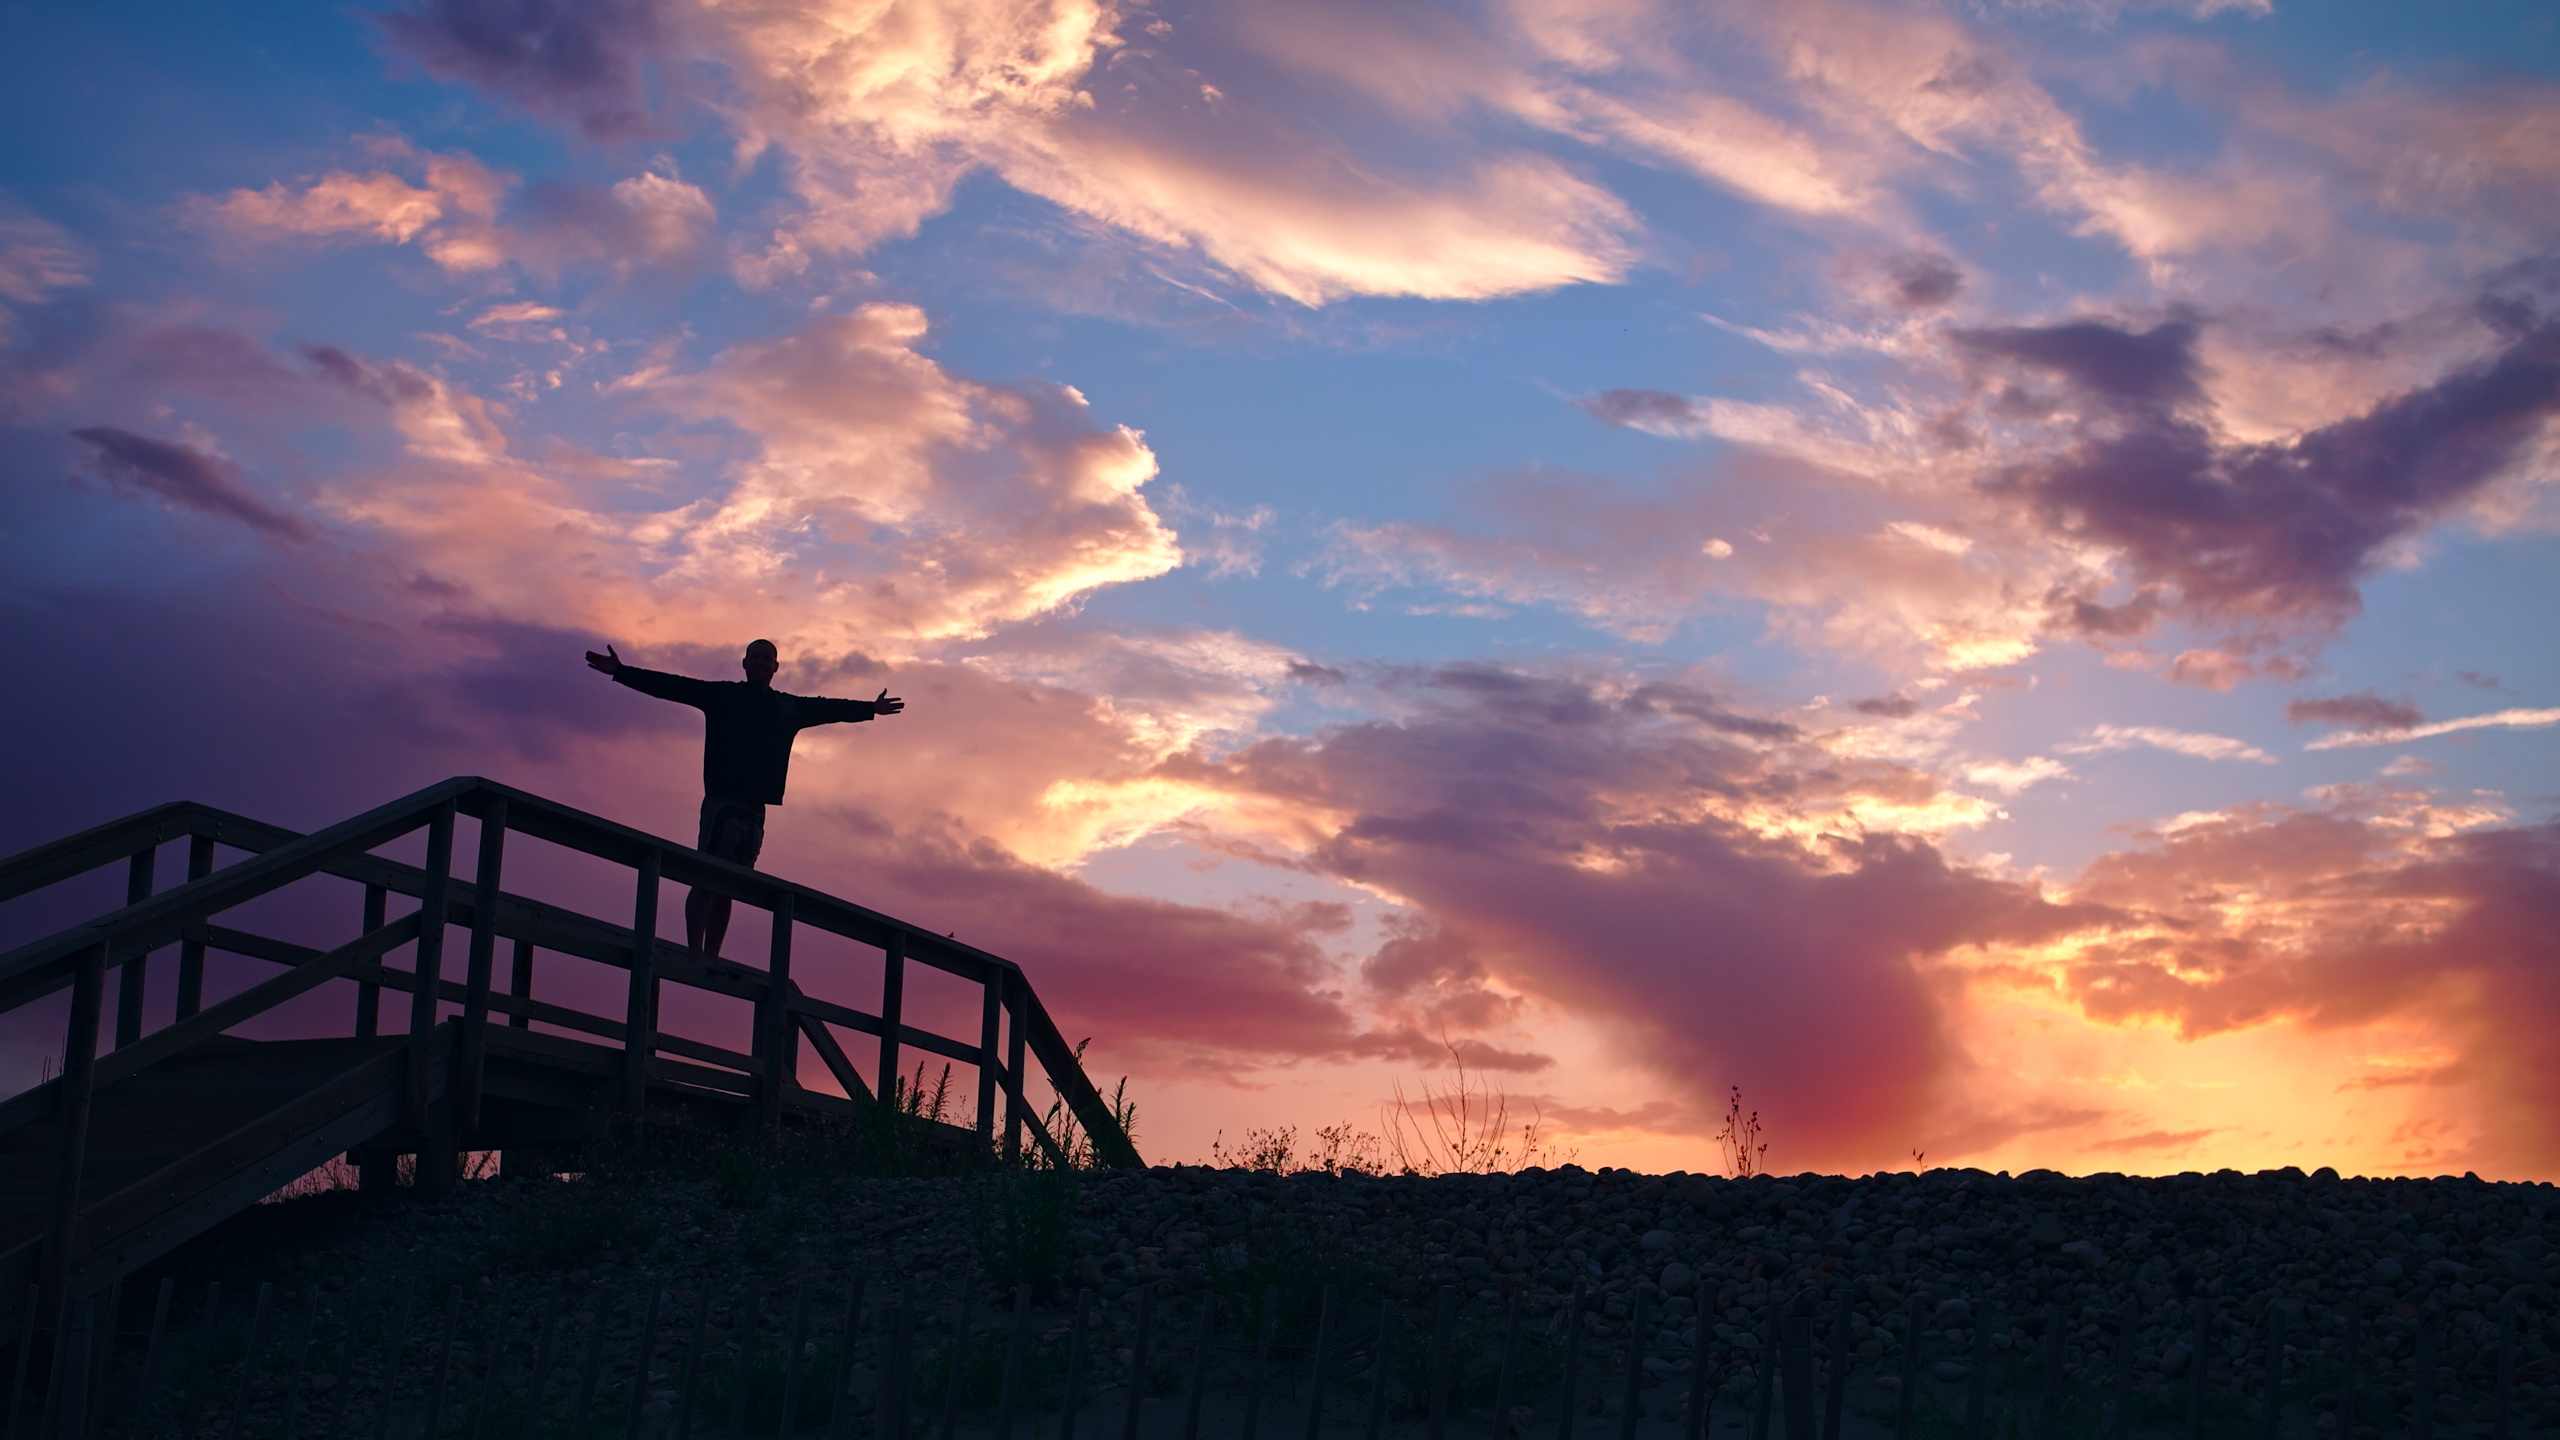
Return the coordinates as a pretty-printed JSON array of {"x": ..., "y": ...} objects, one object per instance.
[{"x": 123, "y": 942}]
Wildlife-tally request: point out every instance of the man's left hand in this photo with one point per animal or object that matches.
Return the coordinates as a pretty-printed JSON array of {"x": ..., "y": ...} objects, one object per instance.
[{"x": 887, "y": 704}]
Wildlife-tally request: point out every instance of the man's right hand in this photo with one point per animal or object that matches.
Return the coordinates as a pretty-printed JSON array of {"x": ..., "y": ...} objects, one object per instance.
[{"x": 608, "y": 662}]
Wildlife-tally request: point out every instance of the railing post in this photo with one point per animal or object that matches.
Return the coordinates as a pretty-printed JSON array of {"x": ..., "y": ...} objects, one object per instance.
[
  {"x": 79, "y": 1075},
  {"x": 428, "y": 971},
  {"x": 377, "y": 907},
  {"x": 775, "y": 1032},
  {"x": 191, "y": 952},
  {"x": 640, "y": 1014},
  {"x": 520, "y": 983},
  {"x": 893, "y": 998},
  {"x": 1018, "y": 1093},
  {"x": 990, "y": 1008},
  {"x": 484, "y": 945},
  {"x": 137, "y": 888}
]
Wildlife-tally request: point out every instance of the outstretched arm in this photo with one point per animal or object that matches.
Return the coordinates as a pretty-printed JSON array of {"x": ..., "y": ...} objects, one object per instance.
[
  {"x": 682, "y": 689},
  {"x": 840, "y": 712}
]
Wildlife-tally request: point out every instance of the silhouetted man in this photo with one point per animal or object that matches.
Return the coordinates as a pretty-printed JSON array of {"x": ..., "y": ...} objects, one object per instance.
[{"x": 747, "y": 730}]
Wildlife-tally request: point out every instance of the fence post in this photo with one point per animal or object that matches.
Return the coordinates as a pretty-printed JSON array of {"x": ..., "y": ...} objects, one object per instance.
[
  {"x": 520, "y": 983},
  {"x": 137, "y": 888},
  {"x": 428, "y": 971},
  {"x": 79, "y": 1085},
  {"x": 990, "y": 1006},
  {"x": 640, "y": 1014},
  {"x": 484, "y": 946},
  {"x": 1018, "y": 1093},
  {"x": 377, "y": 904},
  {"x": 893, "y": 996},
  {"x": 779, "y": 1050},
  {"x": 191, "y": 952}
]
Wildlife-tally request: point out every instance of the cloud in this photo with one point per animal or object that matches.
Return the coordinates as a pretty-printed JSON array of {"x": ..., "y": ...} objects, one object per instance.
[
  {"x": 1890, "y": 707},
  {"x": 1653, "y": 411},
  {"x": 38, "y": 260},
  {"x": 883, "y": 113},
  {"x": 836, "y": 489},
  {"x": 2010, "y": 777},
  {"x": 2103, "y": 738},
  {"x": 2497, "y": 720},
  {"x": 2261, "y": 535},
  {"x": 1736, "y": 908},
  {"x": 186, "y": 478},
  {"x": 2367, "y": 709},
  {"x": 2153, "y": 1140},
  {"x": 583, "y": 61},
  {"x": 450, "y": 214},
  {"x": 2388, "y": 911}
]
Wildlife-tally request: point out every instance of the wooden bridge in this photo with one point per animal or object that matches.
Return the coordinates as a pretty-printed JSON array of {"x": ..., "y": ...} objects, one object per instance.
[{"x": 129, "y": 1152}]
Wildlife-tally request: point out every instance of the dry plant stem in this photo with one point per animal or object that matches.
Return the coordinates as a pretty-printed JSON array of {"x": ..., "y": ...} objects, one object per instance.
[
  {"x": 1461, "y": 1129},
  {"x": 1572, "y": 1363},
  {"x": 1199, "y": 1372},
  {"x": 950, "y": 1390},
  {"x": 1315, "y": 1378},
  {"x": 1075, "y": 1369},
  {"x": 690, "y": 1387},
  {"x": 751, "y": 1321},
  {"x": 1380, "y": 1365},
  {"x": 640, "y": 1359},
  {"x": 1011, "y": 1393},
  {"x": 395, "y": 1346},
  {"x": 1138, "y": 1356},
  {"x": 249, "y": 1360},
  {"x": 840, "y": 1408}
]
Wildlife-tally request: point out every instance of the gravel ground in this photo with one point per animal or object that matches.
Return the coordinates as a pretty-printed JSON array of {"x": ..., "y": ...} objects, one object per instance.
[{"x": 1963, "y": 1250}]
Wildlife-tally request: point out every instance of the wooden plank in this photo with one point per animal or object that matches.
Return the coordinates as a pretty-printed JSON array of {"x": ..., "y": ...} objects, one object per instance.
[
  {"x": 429, "y": 966},
  {"x": 137, "y": 971},
  {"x": 777, "y": 1040},
  {"x": 1110, "y": 1145},
  {"x": 311, "y": 969},
  {"x": 893, "y": 1002},
  {"x": 482, "y": 960},
  {"x": 35, "y": 868},
  {"x": 209, "y": 1188},
  {"x": 832, "y": 1053},
  {"x": 190, "y": 954},
  {"x": 565, "y": 1018},
  {"x": 43, "y": 966},
  {"x": 851, "y": 1019},
  {"x": 79, "y": 1087},
  {"x": 640, "y": 1016}
]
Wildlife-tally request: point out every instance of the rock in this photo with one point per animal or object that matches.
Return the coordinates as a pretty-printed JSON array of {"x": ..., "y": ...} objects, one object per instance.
[
  {"x": 1677, "y": 1279},
  {"x": 2387, "y": 1270},
  {"x": 1657, "y": 1240},
  {"x": 1949, "y": 1370},
  {"x": 2047, "y": 1233}
]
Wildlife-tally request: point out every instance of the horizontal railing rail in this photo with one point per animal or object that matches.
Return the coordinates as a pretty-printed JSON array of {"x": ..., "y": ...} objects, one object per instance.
[{"x": 121, "y": 941}]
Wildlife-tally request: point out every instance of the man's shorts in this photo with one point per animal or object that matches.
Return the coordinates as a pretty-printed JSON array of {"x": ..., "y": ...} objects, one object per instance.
[{"x": 731, "y": 831}]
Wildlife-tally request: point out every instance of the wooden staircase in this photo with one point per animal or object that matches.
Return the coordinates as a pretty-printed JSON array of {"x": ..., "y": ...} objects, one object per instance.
[{"x": 142, "y": 1144}]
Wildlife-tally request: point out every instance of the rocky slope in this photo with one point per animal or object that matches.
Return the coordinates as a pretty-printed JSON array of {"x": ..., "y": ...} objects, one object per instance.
[{"x": 2005, "y": 1255}]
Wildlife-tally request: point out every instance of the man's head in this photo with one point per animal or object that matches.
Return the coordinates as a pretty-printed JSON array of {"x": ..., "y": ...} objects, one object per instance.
[{"x": 760, "y": 661}]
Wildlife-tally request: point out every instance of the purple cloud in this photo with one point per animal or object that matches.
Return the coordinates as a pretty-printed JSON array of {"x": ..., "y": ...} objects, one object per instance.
[
  {"x": 2277, "y": 533},
  {"x": 1923, "y": 279},
  {"x": 580, "y": 60},
  {"x": 2365, "y": 711},
  {"x": 1643, "y": 409},
  {"x": 185, "y": 478}
]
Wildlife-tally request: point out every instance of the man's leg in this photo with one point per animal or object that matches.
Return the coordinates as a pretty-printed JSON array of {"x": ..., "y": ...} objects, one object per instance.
[
  {"x": 697, "y": 915},
  {"x": 716, "y": 922}
]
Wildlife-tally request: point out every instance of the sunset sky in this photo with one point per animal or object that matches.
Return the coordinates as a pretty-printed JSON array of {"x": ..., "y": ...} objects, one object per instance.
[{"x": 1985, "y": 572}]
